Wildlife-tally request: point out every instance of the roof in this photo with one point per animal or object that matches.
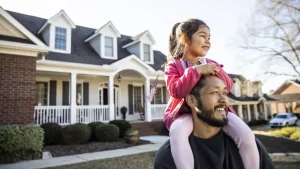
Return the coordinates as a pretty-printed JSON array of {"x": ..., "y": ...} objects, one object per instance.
[
  {"x": 246, "y": 98},
  {"x": 297, "y": 81},
  {"x": 286, "y": 97},
  {"x": 285, "y": 85},
  {"x": 82, "y": 52},
  {"x": 269, "y": 98}
]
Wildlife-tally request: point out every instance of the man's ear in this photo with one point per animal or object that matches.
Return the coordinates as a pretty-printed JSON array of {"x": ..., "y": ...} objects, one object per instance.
[{"x": 191, "y": 101}]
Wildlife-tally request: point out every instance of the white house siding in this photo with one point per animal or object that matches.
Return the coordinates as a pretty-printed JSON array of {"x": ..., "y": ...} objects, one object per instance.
[
  {"x": 95, "y": 43},
  {"x": 135, "y": 49}
]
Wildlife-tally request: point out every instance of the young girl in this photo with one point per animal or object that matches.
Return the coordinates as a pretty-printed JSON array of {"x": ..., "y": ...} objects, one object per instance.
[{"x": 189, "y": 42}]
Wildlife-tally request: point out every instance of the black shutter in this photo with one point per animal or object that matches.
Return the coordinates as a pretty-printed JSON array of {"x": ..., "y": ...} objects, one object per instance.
[
  {"x": 144, "y": 97},
  {"x": 130, "y": 99},
  {"x": 66, "y": 92},
  {"x": 53, "y": 88},
  {"x": 164, "y": 94},
  {"x": 85, "y": 93}
]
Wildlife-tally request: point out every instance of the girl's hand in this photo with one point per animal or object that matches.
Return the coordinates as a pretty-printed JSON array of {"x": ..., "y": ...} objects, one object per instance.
[{"x": 207, "y": 69}]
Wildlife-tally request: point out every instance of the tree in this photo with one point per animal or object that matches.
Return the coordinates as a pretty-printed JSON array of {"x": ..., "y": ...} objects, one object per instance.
[{"x": 274, "y": 32}]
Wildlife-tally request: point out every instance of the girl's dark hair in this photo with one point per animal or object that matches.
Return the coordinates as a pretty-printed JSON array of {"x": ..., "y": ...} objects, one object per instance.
[{"x": 187, "y": 28}]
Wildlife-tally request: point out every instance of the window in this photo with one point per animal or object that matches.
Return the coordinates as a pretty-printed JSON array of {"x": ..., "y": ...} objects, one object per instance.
[
  {"x": 60, "y": 38},
  {"x": 109, "y": 46},
  {"x": 42, "y": 93},
  {"x": 79, "y": 94},
  {"x": 137, "y": 98},
  {"x": 146, "y": 53}
]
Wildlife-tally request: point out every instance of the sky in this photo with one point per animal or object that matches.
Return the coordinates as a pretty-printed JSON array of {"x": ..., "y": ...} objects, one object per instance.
[{"x": 131, "y": 17}]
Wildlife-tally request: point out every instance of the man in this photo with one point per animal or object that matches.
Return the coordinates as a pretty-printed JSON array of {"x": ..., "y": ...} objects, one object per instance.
[{"x": 212, "y": 148}]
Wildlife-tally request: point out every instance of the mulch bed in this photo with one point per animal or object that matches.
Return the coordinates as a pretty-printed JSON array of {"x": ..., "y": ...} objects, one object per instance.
[
  {"x": 64, "y": 150},
  {"x": 279, "y": 145}
]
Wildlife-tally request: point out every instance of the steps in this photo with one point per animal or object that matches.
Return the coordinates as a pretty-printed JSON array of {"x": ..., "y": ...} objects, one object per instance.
[{"x": 150, "y": 128}]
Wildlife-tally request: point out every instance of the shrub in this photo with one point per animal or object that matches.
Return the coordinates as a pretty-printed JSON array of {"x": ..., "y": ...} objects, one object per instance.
[
  {"x": 288, "y": 131},
  {"x": 53, "y": 132},
  {"x": 257, "y": 122},
  {"x": 76, "y": 133},
  {"x": 122, "y": 125},
  {"x": 277, "y": 133},
  {"x": 295, "y": 135},
  {"x": 20, "y": 142},
  {"x": 107, "y": 133},
  {"x": 93, "y": 126}
]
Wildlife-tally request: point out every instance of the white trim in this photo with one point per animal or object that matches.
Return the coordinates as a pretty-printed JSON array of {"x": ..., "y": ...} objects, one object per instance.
[
  {"x": 115, "y": 48},
  {"x": 19, "y": 26},
  {"x": 137, "y": 84},
  {"x": 98, "y": 31},
  {"x": 151, "y": 53},
  {"x": 23, "y": 46},
  {"x": 43, "y": 79},
  {"x": 136, "y": 59},
  {"x": 50, "y": 21},
  {"x": 18, "y": 52},
  {"x": 131, "y": 43},
  {"x": 151, "y": 37}
]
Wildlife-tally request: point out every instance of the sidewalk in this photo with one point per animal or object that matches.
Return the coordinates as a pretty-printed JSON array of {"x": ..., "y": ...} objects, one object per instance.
[{"x": 79, "y": 158}]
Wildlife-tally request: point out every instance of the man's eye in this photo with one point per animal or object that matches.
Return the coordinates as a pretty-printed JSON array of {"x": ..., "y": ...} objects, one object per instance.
[
  {"x": 225, "y": 93},
  {"x": 215, "y": 92}
]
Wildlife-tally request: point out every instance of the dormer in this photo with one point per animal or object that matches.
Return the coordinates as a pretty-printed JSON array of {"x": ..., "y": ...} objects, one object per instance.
[
  {"x": 105, "y": 41},
  {"x": 142, "y": 46},
  {"x": 57, "y": 32}
]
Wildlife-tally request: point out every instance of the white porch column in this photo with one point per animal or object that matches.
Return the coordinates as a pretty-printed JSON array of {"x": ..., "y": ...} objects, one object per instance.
[
  {"x": 249, "y": 113},
  {"x": 240, "y": 112},
  {"x": 277, "y": 110},
  {"x": 148, "y": 115},
  {"x": 255, "y": 111},
  {"x": 73, "y": 97},
  {"x": 266, "y": 111},
  {"x": 111, "y": 98}
]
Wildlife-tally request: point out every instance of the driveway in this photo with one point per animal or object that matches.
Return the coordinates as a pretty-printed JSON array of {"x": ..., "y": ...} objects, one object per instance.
[{"x": 267, "y": 127}]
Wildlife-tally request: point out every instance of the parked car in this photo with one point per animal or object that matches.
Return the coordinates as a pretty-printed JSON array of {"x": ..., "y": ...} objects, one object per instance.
[{"x": 283, "y": 119}]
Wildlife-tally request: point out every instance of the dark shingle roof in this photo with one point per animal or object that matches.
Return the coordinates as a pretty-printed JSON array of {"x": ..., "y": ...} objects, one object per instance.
[
  {"x": 297, "y": 81},
  {"x": 246, "y": 98},
  {"x": 82, "y": 52},
  {"x": 268, "y": 98}
]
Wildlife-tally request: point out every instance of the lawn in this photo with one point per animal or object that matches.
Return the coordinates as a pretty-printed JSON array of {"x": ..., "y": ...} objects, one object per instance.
[{"x": 139, "y": 161}]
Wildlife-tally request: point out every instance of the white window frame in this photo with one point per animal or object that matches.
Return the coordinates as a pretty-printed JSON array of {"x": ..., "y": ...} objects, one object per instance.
[
  {"x": 102, "y": 48},
  {"x": 147, "y": 52},
  {"x": 48, "y": 91},
  {"x": 142, "y": 53}
]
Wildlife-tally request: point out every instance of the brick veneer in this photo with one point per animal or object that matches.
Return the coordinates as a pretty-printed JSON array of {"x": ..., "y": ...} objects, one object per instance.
[{"x": 17, "y": 89}]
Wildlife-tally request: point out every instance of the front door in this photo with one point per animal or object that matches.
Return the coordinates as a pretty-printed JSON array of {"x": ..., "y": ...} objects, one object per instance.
[{"x": 137, "y": 101}]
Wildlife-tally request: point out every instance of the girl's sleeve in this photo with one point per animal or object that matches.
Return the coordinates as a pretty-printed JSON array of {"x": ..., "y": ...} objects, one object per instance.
[{"x": 180, "y": 86}]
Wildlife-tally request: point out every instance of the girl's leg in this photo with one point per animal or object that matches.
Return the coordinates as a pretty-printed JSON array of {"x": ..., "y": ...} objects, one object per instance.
[
  {"x": 181, "y": 150},
  {"x": 243, "y": 136}
]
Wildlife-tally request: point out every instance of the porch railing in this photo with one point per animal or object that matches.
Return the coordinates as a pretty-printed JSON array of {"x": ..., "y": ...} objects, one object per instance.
[
  {"x": 157, "y": 111},
  {"x": 87, "y": 114},
  {"x": 52, "y": 114}
]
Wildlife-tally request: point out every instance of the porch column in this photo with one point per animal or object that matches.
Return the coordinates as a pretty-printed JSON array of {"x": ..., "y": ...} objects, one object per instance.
[
  {"x": 148, "y": 115},
  {"x": 249, "y": 113},
  {"x": 266, "y": 111},
  {"x": 277, "y": 110},
  {"x": 240, "y": 112},
  {"x": 111, "y": 97},
  {"x": 255, "y": 111},
  {"x": 73, "y": 97}
]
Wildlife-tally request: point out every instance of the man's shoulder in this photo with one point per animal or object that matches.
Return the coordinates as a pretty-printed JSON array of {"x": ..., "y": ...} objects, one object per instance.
[{"x": 164, "y": 159}]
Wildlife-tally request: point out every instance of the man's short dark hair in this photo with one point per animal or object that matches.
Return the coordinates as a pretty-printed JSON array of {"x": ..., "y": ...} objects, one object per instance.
[{"x": 199, "y": 85}]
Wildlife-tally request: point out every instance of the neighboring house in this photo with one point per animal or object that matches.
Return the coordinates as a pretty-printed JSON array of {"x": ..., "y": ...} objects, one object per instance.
[
  {"x": 55, "y": 71},
  {"x": 288, "y": 96}
]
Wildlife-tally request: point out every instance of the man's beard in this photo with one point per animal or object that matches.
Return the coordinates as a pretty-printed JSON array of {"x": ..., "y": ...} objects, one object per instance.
[{"x": 207, "y": 115}]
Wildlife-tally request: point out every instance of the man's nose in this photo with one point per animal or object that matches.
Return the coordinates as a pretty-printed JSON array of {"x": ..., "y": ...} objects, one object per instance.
[{"x": 223, "y": 99}]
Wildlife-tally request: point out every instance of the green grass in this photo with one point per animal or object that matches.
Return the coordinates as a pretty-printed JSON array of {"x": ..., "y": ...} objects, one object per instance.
[{"x": 139, "y": 161}]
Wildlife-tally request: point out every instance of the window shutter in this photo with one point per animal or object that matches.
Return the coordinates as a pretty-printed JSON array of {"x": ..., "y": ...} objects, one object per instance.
[
  {"x": 85, "y": 93},
  {"x": 53, "y": 87},
  {"x": 66, "y": 93},
  {"x": 130, "y": 99},
  {"x": 164, "y": 94}
]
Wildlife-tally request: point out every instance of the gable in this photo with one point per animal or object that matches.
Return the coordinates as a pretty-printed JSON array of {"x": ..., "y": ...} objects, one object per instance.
[
  {"x": 146, "y": 39},
  {"x": 291, "y": 89},
  {"x": 61, "y": 22},
  {"x": 132, "y": 62},
  {"x": 108, "y": 31},
  {"x": 8, "y": 29}
]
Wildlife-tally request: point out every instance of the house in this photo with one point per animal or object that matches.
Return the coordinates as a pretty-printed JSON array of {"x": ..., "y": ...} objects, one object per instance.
[
  {"x": 287, "y": 96},
  {"x": 53, "y": 70}
]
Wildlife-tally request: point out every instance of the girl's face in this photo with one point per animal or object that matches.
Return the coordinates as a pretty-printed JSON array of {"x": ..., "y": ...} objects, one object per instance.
[{"x": 200, "y": 42}]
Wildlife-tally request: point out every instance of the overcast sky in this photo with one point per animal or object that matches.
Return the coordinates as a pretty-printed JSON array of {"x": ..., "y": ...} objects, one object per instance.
[{"x": 132, "y": 17}]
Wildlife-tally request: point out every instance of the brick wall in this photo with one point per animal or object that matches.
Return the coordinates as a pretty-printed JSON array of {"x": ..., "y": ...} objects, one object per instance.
[{"x": 17, "y": 89}]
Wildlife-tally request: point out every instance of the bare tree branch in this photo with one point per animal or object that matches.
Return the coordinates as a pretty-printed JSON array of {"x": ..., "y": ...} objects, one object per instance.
[{"x": 281, "y": 74}]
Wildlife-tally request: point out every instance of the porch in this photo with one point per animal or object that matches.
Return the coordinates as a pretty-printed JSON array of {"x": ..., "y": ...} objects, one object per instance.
[{"x": 68, "y": 98}]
